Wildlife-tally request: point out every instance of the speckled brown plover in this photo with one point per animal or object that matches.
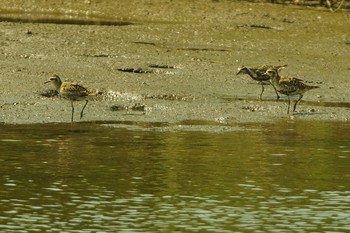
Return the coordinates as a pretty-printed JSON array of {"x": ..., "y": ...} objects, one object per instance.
[
  {"x": 72, "y": 92},
  {"x": 258, "y": 74},
  {"x": 289, "y": 86}
]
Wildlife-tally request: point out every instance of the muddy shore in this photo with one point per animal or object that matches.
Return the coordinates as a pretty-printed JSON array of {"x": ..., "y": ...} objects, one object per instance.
[{"x": 183, "y": 56}]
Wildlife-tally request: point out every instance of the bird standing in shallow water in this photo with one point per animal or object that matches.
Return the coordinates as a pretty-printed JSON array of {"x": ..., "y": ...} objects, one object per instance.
[
  {"x": 289, "y": 86},
  {"x": 71, "y": 91},
  {"x": 258, "y": 74}
]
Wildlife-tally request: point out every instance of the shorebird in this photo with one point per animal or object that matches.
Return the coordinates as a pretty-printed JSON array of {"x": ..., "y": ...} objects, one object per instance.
[
  {"x": 289, "y": 86},
  {"x": 71, "y": 91},
  {"x": 258, "y": 74}
]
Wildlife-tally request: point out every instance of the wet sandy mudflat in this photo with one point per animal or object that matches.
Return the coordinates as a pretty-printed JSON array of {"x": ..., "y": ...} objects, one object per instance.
[{"x": 181, "y": 58}]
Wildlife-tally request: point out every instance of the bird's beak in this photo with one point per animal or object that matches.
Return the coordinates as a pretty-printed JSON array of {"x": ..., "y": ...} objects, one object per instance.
[
  {"x": 48, "y": 81},
  {"x": 239, "y": 71}
]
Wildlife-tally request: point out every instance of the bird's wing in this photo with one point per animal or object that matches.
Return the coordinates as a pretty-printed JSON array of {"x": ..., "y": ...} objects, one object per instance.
[
  {"x": 74, "y": 89},
  {"x": 291, "y": 84}
]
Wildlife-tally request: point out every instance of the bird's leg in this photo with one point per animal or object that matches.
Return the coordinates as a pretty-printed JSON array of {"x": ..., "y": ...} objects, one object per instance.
[
  {"x": 278, "y": 96},
  {"x": 295, "y": 105},
  {"x": 262, "y": 90},
  {"x": 72, "y": 110},
  {"x": 288, "y": 104},
  {"x": 82, "y": 111}
]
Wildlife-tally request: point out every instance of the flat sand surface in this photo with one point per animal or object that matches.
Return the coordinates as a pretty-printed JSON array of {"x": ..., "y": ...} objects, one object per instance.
[{"x": 184, "y": 55}]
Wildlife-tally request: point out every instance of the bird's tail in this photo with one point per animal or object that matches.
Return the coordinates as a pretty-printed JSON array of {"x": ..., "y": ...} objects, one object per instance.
[
  {"x": 94, "y": 92},
  {"x": 281, "y": 67}
]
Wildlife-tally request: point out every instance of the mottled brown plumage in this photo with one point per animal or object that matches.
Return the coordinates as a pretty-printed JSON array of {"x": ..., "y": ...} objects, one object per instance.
[
  {"x": 71, "y": 91},
  {"x": 289, "y": 86},
  {"x": 258, "y": 74}
]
